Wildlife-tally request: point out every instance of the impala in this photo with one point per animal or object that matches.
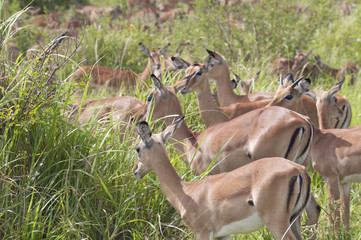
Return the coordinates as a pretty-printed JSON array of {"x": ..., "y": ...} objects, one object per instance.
[
  {"x": 239, "y": 201},
  {"x": 121, "y": 111},
  {"x": 144, "y": 4},
  {"x": 336, "y": 155},
  {"x": 123, "y": 78},
  {"x": 211, "y": 114},
  {"x": 297, "y": 65},
  {"x": 245, "y": 85},
  {"x": 302, "y": 66},
  {"x": 349, "y": 68},
  {"x": 237, "y": 142}
]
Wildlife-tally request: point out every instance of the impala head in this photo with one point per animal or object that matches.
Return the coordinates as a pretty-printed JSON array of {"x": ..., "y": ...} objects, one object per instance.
[
  {"x": 300, "y": 60},
  {"x": 327, "y": 102},
  {"x": 195, "y": 80},
  {"x": 154, "y": 58},
  {"x": 213, "y": 62},
  {"x": 245, "y": 85},
  {"x": 289, "y": 92},
  {"x": 151, "y": 147},
  {"x": 163, "y": 101}
]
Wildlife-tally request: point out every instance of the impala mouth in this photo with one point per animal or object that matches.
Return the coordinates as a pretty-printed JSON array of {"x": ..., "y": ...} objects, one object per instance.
[
  {"x": 184, "y": 91},
  {"x": 137, "y": 175}
]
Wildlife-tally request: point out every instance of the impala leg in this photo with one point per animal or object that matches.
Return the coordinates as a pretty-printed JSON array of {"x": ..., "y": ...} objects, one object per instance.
[
  {"x": 296, "y": 227},
  {"x": 333, "y": 194},
  {"x": 313, "y": 213},
  {"x": 280, "y": 228},
  {"x": 345, "y": 201}
]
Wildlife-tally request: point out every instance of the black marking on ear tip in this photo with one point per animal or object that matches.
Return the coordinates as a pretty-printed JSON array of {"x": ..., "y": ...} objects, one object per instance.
[
  {"x": 211, "y": 52},
  {"x": 154, "y": 77},
  {"x": 142, "y": 123}
]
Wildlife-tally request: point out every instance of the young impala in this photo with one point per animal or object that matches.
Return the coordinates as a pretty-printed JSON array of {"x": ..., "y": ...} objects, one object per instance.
[
  {"x": 123, "y": 78},
  {"x": 271, "y": 192},
  {"x": 349, "y": 68},
  {"x": 297, "y": 65}
]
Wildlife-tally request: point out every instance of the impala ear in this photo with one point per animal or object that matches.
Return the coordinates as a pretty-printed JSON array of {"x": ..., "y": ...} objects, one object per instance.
[
  {"x": 256, "y": 76},
  {"x": 145, "y": 133},
  {"x": 144, "y": 50},
  {"x": 303, "y": 86},
  {"x": 335, "y": 89},
  {"x": 180, "y": 63},
  {"x": 170, "y": 130},
  {"x": 211, "y": 52},
  {"x": 161, "y": 88},
  {"x": 238, "y": 78},
  {"x": 164, "y": 49},
  {"x": 234, "y": 84}
]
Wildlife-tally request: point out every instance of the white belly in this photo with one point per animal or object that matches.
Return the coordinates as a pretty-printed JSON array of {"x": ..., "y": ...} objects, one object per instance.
[
  {"x": 351, "y": 178},
  {"x": 250, "y": 224}
]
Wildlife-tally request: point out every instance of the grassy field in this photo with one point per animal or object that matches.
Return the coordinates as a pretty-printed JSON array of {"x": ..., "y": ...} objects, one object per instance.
[{"x": 60, "y": 180}]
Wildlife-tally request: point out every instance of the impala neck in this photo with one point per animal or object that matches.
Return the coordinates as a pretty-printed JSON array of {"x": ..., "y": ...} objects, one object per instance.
[
  {"x": 323, "y": 117},
  {"x": 171, "y": 183},
  {"x": 145, "y": 75},
  {"x": 226, "y": 96},
  {"x": 210, "y": 112},
  {"x": 224, "y": 87},
  {"x": 184, "y": 141}
]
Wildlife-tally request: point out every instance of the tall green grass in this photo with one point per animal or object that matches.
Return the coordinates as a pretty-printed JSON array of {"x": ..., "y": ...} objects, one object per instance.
[{"x": 60, "y": 180}]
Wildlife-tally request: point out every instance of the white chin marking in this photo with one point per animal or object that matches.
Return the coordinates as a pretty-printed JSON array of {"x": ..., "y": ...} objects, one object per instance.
[{"x": 249, "y": 224}]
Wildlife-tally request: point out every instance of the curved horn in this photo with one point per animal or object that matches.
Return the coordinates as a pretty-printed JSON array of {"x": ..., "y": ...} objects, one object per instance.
[{"x": 294, "y": 84}]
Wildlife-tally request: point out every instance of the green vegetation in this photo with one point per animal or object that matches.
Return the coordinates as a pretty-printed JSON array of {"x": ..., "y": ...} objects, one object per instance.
[{"x": 60, "y": 180}]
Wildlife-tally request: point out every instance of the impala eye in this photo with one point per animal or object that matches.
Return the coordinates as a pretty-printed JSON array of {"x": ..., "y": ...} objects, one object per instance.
[
  {"x": 335, "y": 100},
  {"x": 199, "y": 72},
  {"x": 288, "y": 97},
  {"x": 150, "y": 97},
  {"x": 137, "y": 149}
]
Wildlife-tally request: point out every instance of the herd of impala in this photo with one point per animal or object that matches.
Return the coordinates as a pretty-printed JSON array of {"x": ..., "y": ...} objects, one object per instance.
[{"x": 256, "y": 147}]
